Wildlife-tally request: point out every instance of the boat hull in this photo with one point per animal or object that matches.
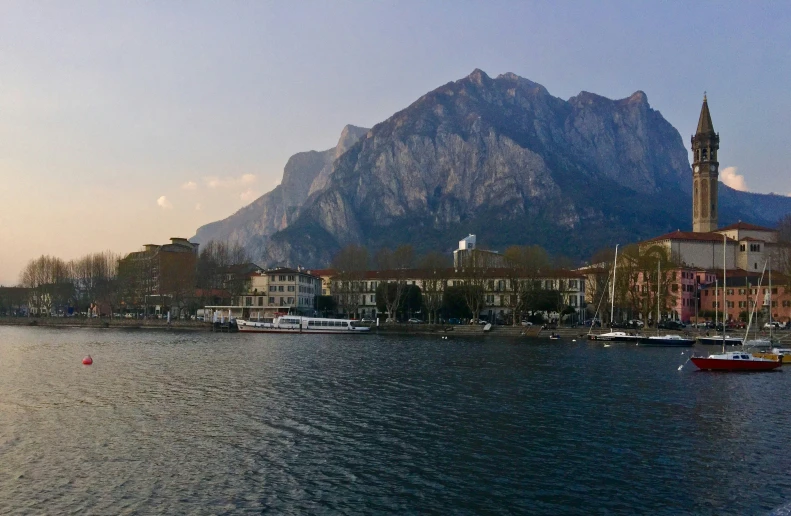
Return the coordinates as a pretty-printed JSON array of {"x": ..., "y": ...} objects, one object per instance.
[
  {"x": 668, "y": 343},
  {"x": 615, "y": 338},
  {"x": 716, "y": 364},
  {"x": 717, "y": 341}
]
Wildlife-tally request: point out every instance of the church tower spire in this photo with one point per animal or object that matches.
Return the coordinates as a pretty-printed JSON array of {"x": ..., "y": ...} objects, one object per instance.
[{"x": 705, "y": 172}]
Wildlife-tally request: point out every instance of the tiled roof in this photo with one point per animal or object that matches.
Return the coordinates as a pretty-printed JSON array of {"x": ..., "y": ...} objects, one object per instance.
[
  {"x": 689, "y": 236},
  {"x": 746, "y": 227},
  {"x": 451, "y": 273}
]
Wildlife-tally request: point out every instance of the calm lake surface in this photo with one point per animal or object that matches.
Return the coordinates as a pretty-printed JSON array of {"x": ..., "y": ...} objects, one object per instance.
[{"x": 168, "y": 422}]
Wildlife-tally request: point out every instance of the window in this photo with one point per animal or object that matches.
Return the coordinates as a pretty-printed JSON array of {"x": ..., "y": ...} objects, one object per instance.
[
  {"x": 272, "y": 288},
  {"x": 271, "y": 300},
  {"x": 282, "y": 278},
  {"x": 291, "y": 278},
  {"x": 248, "y": 301},
  {"x": 291, "y": 288},
  {"x": 260, "y": 301},
  {"x": 290, "y": 300},
  {"x": 280, "y": 288},
  {"x": 742, "y": 247}
]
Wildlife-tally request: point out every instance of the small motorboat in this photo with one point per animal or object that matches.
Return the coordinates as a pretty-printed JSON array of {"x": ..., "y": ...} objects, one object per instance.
[
  {"x": 668, "y": 341},
  {"x": 616, "y": 336},
  {"x": 554, "y": 336}
]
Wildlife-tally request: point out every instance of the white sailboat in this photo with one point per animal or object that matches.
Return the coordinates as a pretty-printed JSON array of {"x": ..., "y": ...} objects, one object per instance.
[{"x": 614, "y": 336}]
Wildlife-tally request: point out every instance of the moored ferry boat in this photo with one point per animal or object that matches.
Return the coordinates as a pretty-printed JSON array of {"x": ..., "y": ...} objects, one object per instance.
[{"x": 299, "y": 324}]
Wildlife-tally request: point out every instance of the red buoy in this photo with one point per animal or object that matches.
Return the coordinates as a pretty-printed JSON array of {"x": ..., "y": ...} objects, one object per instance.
[{"x": 87, "y": 360}]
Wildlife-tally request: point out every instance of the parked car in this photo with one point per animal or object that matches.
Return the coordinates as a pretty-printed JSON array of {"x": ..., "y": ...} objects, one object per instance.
[
  {"x": 593, "y": 322},
  {"x": 366, "y": 321},
  {"x": 527, "y": 323},
  {"x": 635, "y": 323},
  {"x": 774, "y": 324},
  {"x": 671, "y": 325},
  {"x": 454, "y": 320},
  {"x": 413, "y": 320}
]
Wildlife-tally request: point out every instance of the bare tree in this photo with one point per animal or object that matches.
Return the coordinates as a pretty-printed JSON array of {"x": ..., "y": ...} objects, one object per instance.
[
  {"x": 434, "y": 272},
  {"x": 49, "y": 282},
  {"x": 525, "y": 266},
  {"x": 350, "y": 265}
]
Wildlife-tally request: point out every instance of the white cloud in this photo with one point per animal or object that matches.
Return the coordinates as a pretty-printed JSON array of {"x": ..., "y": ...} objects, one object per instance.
[
  {"x": 198, "y": 207},
  {"x": 228, "y": 182},
  {"x": 249, "y": 195},
  {"x": 163, "y": 203},
  {"x": 732, "y": 179},
  {"x": 189, "y": 185}
]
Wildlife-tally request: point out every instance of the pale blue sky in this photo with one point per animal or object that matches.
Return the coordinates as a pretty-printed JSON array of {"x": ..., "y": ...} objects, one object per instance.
[{"x": 106, "y": 107}]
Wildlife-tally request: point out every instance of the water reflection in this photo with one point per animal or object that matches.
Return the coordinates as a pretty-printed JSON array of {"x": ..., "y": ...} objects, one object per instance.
[{"x": 209, "y": 423}]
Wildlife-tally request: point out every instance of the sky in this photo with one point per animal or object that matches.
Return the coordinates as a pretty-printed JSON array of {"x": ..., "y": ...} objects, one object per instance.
[{"x": 127, "y": 123}]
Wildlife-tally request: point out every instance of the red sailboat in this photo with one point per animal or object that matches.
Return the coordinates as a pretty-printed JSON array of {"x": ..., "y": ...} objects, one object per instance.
[{"x": 732, "y": 360}]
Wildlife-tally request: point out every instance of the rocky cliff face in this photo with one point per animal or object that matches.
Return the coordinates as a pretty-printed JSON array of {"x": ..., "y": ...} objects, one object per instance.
[
  {"x": 503, "y": 158},
  {"x": 304, "y": 173},
  {"x": 506, "y": 160}
]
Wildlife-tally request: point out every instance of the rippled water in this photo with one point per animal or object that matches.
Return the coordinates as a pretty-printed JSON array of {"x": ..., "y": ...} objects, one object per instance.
[{"x": 205, "y": 423}]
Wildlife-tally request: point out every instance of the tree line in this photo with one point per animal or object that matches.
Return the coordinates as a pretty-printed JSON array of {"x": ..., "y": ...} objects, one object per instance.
[{"x": 109, "y": 283}]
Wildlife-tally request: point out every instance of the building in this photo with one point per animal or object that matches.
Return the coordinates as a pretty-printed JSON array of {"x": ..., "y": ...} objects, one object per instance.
[
  {"x": 468, "y": 255},
  {"x": 742, "y": 291},
  {"x": 273, "y": 291},
  {"x": 359, "y": 295},
  {"x": 705, "y": 171},
  {"x": 159, "y": 275}
]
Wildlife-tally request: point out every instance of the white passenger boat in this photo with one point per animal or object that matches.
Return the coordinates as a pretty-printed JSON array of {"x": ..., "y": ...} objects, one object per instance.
[{"x": 298, "y": 324}]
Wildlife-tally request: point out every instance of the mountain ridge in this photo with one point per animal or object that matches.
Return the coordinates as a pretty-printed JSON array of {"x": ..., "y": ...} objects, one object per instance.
[{"x": 505, "y": 159}]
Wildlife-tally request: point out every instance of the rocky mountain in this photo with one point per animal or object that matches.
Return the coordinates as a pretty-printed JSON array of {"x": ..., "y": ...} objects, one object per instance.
[
  {"x": 506, "y": 160},
  {"x": 305, "y": 173}
]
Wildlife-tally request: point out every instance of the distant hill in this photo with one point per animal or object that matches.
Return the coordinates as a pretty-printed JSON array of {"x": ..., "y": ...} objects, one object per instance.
[{"x": 501, "y": 158}]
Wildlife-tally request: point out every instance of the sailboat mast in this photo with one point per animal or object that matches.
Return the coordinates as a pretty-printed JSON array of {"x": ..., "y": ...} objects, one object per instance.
[
  {"x": 612, "y": 298},
  {"x": 724, "y": 296},
  {"x": 771, "y": 326},
  {"x": 658, "y": 286}
]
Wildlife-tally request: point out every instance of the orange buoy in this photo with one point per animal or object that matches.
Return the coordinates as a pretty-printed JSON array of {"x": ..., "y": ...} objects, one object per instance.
[{"x": 87, "y": 360}]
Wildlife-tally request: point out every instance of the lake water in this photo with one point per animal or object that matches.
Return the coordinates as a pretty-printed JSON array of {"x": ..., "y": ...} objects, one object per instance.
[{"x": 215, "y": 423}]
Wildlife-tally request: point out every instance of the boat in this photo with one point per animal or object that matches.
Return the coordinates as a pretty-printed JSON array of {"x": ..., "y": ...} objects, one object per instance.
[
  {"x": 667, "y": 341},
  {"x": 735, "y": 361},
  {"x": 554, "y": 336},
  {"x": 716, "y": 340},
  {"x": 300, "y": 324},
  {"x": 616, "y": 336},
  {"x": 732, "y": 360}
]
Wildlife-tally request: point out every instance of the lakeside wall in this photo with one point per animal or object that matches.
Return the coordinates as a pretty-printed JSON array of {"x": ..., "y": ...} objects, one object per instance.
[{"x": 104, "y": 322}]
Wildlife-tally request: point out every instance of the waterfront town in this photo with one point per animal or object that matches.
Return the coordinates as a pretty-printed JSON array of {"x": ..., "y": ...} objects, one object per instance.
[{"x": 695, "y": 276}]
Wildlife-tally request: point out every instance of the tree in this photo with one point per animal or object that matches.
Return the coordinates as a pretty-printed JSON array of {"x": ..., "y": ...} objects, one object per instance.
[
  {"x": 326, "y": 305},
  {"x": 350, "y": 265},
  {"x": 49, "y": 282},
  {"x": 434, "y": 277},
  {"x": 525, "y": 263},
  {"x": 454, "y": 303}
]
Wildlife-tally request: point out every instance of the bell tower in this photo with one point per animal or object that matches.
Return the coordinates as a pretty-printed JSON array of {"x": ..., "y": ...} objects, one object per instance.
[{"x": 705, "y": 171}]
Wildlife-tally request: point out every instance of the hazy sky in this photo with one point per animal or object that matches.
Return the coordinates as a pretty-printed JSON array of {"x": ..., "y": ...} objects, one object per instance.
[{"x": 126, "y": 123}]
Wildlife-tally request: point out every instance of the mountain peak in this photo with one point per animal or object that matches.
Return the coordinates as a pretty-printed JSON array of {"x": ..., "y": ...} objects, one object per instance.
[
  {"x": 638, "y": 97},
  {"x": 478, "y": 76}
]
